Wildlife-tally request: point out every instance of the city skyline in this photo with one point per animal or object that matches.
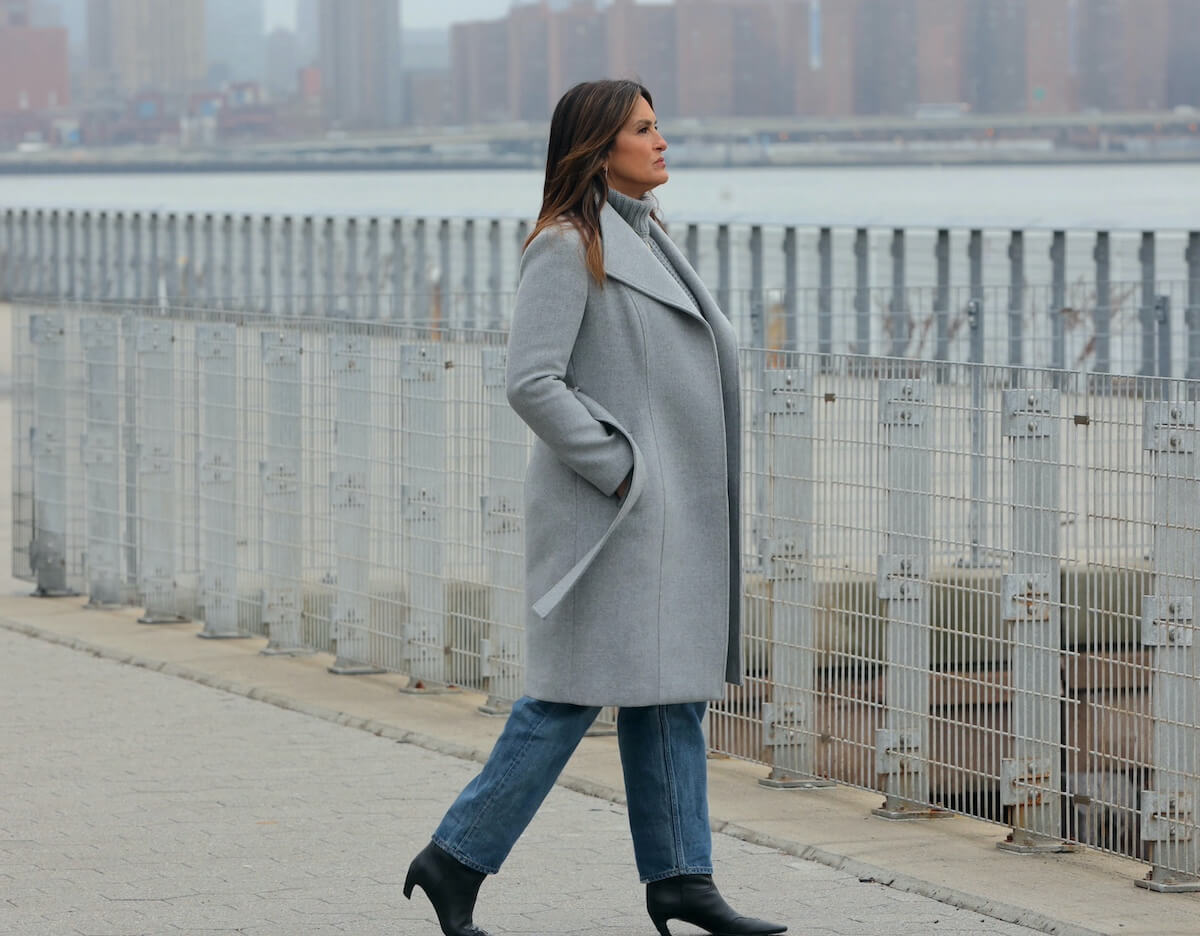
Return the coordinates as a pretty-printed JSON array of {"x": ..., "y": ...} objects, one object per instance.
[{"x": 415, "y": 14}]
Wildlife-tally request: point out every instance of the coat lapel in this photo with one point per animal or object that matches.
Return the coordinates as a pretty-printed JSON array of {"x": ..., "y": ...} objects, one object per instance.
[
  {"x": 708, "y": 305},
  {"x": 629, "y": 259}
]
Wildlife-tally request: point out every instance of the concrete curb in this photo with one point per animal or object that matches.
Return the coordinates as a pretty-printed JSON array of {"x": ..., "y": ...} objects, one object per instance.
[{"x": 866, "y": 873}]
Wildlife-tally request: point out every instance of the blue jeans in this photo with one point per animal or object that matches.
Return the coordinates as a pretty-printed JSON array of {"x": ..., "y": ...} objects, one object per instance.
[{"x": 663, "y": 757}]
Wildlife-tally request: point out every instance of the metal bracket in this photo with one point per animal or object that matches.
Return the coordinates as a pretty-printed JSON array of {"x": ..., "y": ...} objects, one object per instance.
[
  {"x": 98, "y": 332},
  {"x": 1027, "y": 597},
  {"x": 900, "y": 576},
  {"x": 1030, "y": 414},
  {"x": 903, "y": 402},
  {"x": 278, "y": 480},
  {"x": 419, "y": 504},
  {"x": 99, "y": 447},
  {"x": 155, "y": 336},
  {"x": 349, "y": 354},
  {"x": 1168, "y": 817},
  {"x": 783, "y": 558},
  {"x": 495, "y": 367},
  {"x": 280, "y": 349},
  {"x": 1170, "y": 427},
  {"x": 156, "y": 460},
  {"x": 1167, "y": 621},
  {"x": 1024, "y": 782},
  {"x": 348, "y": 490},
  {"x": 215, "y": 467},
  {"x": 780, "y": 724},
  {"x": 895, "y": 749},
  {"x": 785, "y": 391},
  {"x": 501, "y": 515},
  {"x": 418, "y": 363},
  {"x": 46, "y": 328},
  {"x": 214, "y": 342}
]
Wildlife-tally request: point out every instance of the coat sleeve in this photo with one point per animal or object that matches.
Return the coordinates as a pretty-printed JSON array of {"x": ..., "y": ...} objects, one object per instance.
[{"x": 551, "y": 299}]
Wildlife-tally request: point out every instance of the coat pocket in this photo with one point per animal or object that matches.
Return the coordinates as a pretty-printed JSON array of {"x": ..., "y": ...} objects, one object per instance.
[{"x": 543, "y": 606}]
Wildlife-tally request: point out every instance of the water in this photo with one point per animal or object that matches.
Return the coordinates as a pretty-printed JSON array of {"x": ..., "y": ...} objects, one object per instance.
[{"x": 1119, "y": 197}]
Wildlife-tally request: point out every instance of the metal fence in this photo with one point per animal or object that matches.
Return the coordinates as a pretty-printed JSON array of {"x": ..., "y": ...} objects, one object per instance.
[
  {"x": 968, "y": 587},
  {"x": 865, "y": 290}
]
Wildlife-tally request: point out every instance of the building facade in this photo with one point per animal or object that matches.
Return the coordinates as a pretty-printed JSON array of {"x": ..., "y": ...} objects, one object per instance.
[
  {"x": 137, "y": 46},
  {"x": 235, "y": 39},
  {"x": 360, "y": 60}
]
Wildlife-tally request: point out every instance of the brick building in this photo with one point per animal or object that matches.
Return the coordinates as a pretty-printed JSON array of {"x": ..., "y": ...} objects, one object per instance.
[
  {"x": 479, "y": 71},
  {"x": 529, "y": 62},
  {"x": 1123, "y": 54},
  {"x": 34, "y": 65},
  {"x": 642, "y": 46},
  {"x": 577, "y": 47}
]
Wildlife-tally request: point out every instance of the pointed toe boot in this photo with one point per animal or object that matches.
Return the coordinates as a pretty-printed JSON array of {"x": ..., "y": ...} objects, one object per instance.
[
  {"x": 694, "y": 898},
  {"x": 450, "y": 886}
]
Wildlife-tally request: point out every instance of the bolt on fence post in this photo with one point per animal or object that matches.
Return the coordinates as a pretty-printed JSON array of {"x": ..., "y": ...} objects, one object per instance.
[
  {"x": 101, "y": 449},
  {"x": 350, "y": 506},
  {"x": 279, "y": 480},
  {"x": 48, "y": 551},
  {"x": 902, "y": 748},
  {"x": 423, "y": 498},
  {"x": 502, "y": 662},
  {"x": 158, "y": 478},
  {"x": 217, "y": 356},
  {"x": 789, "y": 720},
  {"x": 1031, "y": 777},
  {"x": 1169, "y": 821}
]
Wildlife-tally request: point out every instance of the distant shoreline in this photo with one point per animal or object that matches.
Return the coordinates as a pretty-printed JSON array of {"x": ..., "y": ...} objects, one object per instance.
[{"x": 164, "y": 166}]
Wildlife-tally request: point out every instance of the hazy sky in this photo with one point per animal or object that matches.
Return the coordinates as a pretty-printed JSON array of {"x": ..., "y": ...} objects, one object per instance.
[{"x": 418, "y": 14}]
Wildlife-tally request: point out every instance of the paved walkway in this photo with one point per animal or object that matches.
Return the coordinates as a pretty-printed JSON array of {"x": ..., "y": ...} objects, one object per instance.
[{"x": 133, "y": 802}]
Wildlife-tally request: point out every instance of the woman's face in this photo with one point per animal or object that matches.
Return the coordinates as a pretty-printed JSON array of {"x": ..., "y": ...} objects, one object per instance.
[{"x": 635, "y": 162}]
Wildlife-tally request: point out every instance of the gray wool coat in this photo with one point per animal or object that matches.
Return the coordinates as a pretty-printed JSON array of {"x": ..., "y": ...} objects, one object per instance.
[{"x": 637, "y": 601}]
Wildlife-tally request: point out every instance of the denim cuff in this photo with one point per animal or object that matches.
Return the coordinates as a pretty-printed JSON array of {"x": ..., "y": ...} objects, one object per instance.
[{"x": 464, "y": 859}]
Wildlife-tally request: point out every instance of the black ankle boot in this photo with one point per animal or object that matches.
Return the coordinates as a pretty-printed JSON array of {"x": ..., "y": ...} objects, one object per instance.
[
  {"x": 450, "y": 886},
  {"x": 694, "y": 898}
]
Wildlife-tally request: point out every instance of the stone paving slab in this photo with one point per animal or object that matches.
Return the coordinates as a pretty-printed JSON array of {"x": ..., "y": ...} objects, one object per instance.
[{"x": 132, "y": 802}]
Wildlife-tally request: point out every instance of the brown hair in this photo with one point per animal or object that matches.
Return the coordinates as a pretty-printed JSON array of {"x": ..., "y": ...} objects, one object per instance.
[{"x": 583, "y": 129}]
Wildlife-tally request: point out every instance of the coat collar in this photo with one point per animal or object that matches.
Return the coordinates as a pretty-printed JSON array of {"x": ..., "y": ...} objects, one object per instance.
[{"x": 629, "y": 259}]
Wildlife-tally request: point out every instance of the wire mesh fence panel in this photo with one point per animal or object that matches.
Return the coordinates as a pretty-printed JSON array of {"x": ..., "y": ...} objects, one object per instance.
[{"x": 968, "y": 586}]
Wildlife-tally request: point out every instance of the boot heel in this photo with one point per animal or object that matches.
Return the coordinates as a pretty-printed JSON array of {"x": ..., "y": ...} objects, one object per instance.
[
  {"x": 409, "y": 881},
  {"x": 661, "y": 925}
]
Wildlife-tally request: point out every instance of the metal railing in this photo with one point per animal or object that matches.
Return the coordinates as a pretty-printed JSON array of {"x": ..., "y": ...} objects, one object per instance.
[
  {"x": 860, "y": 290},
  {"x": 970, "y": 587}
]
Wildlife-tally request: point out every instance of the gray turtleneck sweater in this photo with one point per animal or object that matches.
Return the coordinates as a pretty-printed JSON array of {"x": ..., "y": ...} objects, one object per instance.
[{"x": 636, "y": 213}]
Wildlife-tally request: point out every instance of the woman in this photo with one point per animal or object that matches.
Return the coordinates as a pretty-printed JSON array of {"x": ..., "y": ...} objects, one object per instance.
[{"x": 626, "y": 371}]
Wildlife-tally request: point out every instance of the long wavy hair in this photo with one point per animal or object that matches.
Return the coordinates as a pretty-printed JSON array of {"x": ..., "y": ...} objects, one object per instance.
[{"x": 583, "y": 129}]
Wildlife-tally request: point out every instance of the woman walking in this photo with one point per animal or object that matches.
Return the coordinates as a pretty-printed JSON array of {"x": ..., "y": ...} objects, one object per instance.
[{"x": 626, "y": 371}]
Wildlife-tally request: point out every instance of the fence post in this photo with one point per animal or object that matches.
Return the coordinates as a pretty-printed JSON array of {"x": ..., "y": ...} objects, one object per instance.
[
  {"x": 130, "y": 324},
  {"x": 862, "y": 292},
  {"x": 329, "y": 282},
  {"x": 1147, "y": 313},
  {"x": 758, "y": 319},
  {"x": 354, "y": 288},
  {"x": 157, "y": 470},
  {"x": 374, "y": 270},
  {"x": 1102, "y": 255},
  {"x": 350, "y": 506},
  {"x": 423, "y": 502},
  {"x": 1058, "y": 303},
  {"x": 789, "y": 719},
  {"x": 825, "y": 296},
  {"x": 64, "y": 266},
  {"x": 496, "y": 306},
  {"x": 724, "y": 269},
  {"x": 941, "y": 301},
  {"x": 48, "y": 551},
  {"x": 421, "y": 300},
  {"x": 49, "y": 267},
  {"x": 445, "y": 281},
  {"x": 87, "y": 259},
  {"x": 100, "y": 452},
  {"x": 216, "y": 353},
  {"x": 1192, "y": 316},
  {"x": 279, "y": 478},
  {"x": 227, "y": 261},
  {"x": 103, "y": 267},
  {"x": 469, "y": 287},
  {"x": 287, "y": 273},
  {"x": 501, "y": 657},
  {"x": 902, "y": 747},
  {"x": 1031, "y": 777},
  {"x": 399, "y": 269},
  {"x": 266, "y": 269},
  {"x": 898, "y": 322},
  {"x": 1016, "y": 298},
  {"x": 1168, "y": 630}
]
